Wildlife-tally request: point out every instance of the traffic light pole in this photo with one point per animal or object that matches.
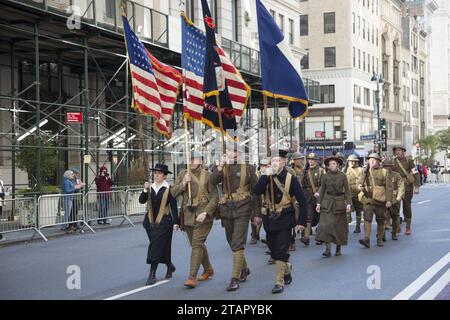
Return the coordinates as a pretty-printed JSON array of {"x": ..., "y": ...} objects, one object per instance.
[{"x": 378, "y": 117}]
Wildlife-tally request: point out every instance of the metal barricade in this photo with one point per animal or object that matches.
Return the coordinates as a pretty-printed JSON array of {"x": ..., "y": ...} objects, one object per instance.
[
  {"x": 101, "y": 206},
  {"x": 17, "y": 215},
  {"x": 132, "y": 205},
  {"x": 61, "y": 209}
]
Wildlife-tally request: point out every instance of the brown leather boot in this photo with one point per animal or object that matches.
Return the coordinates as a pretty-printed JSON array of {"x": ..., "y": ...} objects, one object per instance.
[
  {"x": 408, "y": 228},
  {"x": 207, "y": 274},
  {"x": 191, "y": 282},
  {"x": 234, "y": 285}
]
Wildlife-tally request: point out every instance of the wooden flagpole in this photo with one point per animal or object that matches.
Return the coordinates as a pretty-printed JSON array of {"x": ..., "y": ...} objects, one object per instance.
[
  {"x": 266, "y": 125},
  {"x": 225, "y": 167},
  {"x": 141, "y": 134}
]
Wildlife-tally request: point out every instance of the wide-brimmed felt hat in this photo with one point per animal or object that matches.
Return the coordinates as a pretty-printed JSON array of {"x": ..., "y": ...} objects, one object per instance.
[
  {"x": 162, "y": 168},
  {"x": 282, "y": 153},
  {"x": 333, "y": 158}
]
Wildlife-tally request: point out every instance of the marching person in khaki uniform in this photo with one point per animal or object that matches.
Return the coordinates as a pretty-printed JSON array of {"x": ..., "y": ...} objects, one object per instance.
[
  {"x": 398, "y": 191},
  {"x": 333, "y": 204},
  {"x": 280, "y": 190},
  {"x": 376, "y": 195},
  {"x": 410, "y": 174},
  {"x": 198, "y": 215},
  {"x": 311, "y": 184},
  {"x": 263, "y": 163},
  {"x": 236, "y": 206},
  {"x": 354, "y": 174},
  {"x": 298, "y": 166}
]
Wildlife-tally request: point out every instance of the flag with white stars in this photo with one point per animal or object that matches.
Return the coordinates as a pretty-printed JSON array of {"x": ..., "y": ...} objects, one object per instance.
[
  {"x": 193, "y": 64},
  {"x": 155, "y": 85}
]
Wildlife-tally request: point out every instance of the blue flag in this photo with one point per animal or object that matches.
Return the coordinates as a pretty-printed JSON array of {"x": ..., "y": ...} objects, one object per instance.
[
  {"x": 214, "y": 83},
  {"x": 280, "y": 72}
]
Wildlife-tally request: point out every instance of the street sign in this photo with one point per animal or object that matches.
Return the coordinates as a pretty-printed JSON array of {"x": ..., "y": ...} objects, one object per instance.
[
  {"x": 74, "y": 117},
  {"x": 320, "y": 134},
  {"x": 368, "y": 137}
]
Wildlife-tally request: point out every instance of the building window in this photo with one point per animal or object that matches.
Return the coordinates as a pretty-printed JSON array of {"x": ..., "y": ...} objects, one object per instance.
[
  {"x": 329, "y": 22},
  {"x": 356, "y": 94},
  {"x": 359, "y": 58},
  {"x": 291, "y": 31},
  {"x": 366, "y": 97},
  {"x": 327, "y": 94},
  {"x": 373, "y": 34},
  {"x": 398, "y": 131},
  {"x": 353, "y": 23},
  {"x": 330, "y": 57},
  {"x": 215, "y": 13},
  {"x": 415, "y": 110},
  {"x": 396, "y": 102},
  {"x": 281, "y": 17},
  {"x": 377, "y": 37},
  {"x": 109, "y": 8},
  {"x": 359, "y": 25},
  {"x": 304, "y": 25},
  {"x": 305, "y": 61},
  {"x": 272, "y": 12},
  {"x": 235, "y": 17},
  {"x": 364, "y": 61},
  {"x": 373, "y": 7},
  {"x": 364, "y": 28},
  {"x": 368, "y": 32},
  {"x": 190, "y": 9},
  {"x": 368, "y": 62},
  {"x": 386, "y": 99},
  {"x": 354, "y": 57},
  {"x": 377, "y": 65}
]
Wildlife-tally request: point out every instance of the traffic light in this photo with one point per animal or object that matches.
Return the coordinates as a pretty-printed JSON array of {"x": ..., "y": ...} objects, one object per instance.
[
  {"x": 383, "y": 123},
  {"x": 344, "y": 134}
]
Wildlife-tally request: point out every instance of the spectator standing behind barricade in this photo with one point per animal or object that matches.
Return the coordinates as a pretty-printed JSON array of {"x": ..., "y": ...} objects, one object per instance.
[
  {"x": 425, "y": 172},
  {"x": 68, "y": 189},
  {"x": 2, "y": 197},
  {"x": 76, "y": 200},
  {"x": 104, "y": 184}
]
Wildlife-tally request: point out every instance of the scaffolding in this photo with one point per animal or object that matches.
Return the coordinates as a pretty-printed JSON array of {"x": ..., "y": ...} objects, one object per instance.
[{"x": 55, "y": 69}]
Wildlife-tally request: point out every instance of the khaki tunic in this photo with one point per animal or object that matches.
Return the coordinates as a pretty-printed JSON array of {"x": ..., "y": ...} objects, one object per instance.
[
  {"x": 381, "y": 177},
  {"x": 334, "y": 196},
  {"x": 207, "y": 202},
  {"x": 246, "y": 207}
]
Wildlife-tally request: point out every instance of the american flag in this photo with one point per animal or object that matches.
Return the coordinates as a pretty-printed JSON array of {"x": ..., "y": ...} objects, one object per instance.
[
  {"x": 155, "y": 85},
  {"x": 193, "y": 63}
]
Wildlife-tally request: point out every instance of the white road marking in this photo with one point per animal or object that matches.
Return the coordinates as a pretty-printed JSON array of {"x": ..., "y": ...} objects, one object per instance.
[
  {"x": 136, "y": 290},
  {"x": 437, "y": 287},
  {"x": 410, "y": 290},
  {"x": 424, "y": 201}
]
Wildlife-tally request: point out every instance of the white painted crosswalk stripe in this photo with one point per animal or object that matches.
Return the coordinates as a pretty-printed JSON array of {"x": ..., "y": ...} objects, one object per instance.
[
  {"x": 437, "y": 287},
  {"x": 423, "y": 279},
  {"x": 136, "y": 290}
]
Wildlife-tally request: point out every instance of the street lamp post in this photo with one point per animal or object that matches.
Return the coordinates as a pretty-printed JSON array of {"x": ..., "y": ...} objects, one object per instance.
[{"x": 379, "y": 79}]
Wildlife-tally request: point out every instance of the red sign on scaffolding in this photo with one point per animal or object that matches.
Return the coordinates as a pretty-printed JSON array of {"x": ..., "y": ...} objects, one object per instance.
[
  {"x": 320, "y": 134},
  {"x": 74, "y": 117}
]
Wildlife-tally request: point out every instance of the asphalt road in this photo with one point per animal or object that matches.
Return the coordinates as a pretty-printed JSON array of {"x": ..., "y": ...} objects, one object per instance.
[{"x": 112, "y": 265}]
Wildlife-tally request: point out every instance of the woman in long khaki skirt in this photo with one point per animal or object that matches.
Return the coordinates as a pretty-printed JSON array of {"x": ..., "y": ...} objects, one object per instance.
[{"x": 333, "y": 204}]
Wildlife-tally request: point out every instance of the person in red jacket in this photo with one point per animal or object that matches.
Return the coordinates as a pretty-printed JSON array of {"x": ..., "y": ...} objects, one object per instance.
[
  {"x": 425, "y": 172},
  {"x": 104, "y": 184}
]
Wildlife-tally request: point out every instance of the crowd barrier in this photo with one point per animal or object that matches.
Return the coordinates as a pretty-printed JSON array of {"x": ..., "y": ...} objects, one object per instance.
[{"x": 68, "y": 210}]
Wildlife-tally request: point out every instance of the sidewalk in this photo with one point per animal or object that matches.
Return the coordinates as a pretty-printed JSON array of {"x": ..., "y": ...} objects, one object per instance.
[{"x": 54, "y": 232}]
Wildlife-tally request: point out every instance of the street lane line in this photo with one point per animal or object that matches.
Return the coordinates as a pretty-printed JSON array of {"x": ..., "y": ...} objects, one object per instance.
[
  {"x": 437, "y": 287},
  {"x": 410, "y": 290},
  {"x": 136, "y": 290},
  {"x": 424, "y": 201}
]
